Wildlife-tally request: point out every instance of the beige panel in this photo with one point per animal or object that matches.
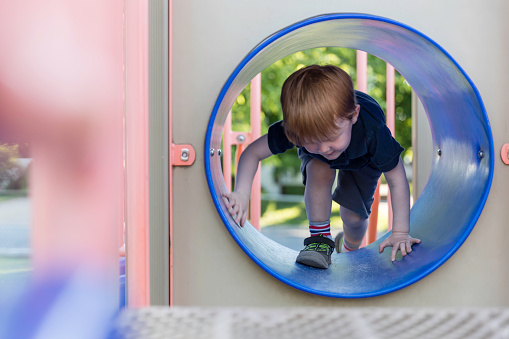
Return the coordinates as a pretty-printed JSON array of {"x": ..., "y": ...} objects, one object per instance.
[
  {"x": 422, "y": 145},
  {"x": 158, "y": 152},
  {"x": 212, "y": 37}
]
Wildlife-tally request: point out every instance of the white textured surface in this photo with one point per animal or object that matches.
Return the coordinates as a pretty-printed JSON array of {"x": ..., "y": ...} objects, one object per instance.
[{"x": 281, "y": 323}]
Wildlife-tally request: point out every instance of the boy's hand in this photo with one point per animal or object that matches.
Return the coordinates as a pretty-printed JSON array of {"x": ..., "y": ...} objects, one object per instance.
[
  {"x": 400, "y": 241},
  {"x": 237, "y": 204}
]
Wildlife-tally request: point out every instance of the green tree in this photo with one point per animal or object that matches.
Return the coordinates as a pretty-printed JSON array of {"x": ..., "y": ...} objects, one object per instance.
[
  {"x": 9, "y": 169},
  {"x": 274, "y": 76}
]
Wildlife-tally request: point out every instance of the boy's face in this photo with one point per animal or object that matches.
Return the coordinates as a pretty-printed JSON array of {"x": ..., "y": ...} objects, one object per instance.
[{"x": 336, "y": 143}]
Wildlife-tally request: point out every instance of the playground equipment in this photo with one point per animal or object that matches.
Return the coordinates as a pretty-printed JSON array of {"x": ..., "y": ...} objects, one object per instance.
[
  {"x": 458, "y": 185},
  {"x": 207, "y": 268},
  {"x": 463, "y": 156}
]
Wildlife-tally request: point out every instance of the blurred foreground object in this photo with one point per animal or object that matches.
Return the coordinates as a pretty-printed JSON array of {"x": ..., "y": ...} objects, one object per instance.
[
  {"x": 61, "y": 90},
  {"x": 375, "y": 322}
]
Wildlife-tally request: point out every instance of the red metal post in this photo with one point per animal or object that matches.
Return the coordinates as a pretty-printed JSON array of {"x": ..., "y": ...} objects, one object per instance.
[
  {"x": 137, "y": 182},
  {"x": 256, "y": 107},
  {"x": 362, "y": 85},
  {"x": 390, "y": 110},
  {"x": 241, "y": 140},
  {"x": 362, "y": 71},
  {"x": 373, "y": 219},
  {"x": 390, "y": 102},
  {"x": 227, "y": 152}
]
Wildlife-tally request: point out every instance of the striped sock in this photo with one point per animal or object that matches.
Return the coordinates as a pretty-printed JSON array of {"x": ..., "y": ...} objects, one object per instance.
[
  {"x": 317, "y": 228},
  {"x": 341, "y": 247},
  {"x": 346, "y": 249}
]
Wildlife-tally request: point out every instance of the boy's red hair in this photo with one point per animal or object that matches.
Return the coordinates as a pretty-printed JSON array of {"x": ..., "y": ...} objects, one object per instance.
[{"x": 313, "y": 99}]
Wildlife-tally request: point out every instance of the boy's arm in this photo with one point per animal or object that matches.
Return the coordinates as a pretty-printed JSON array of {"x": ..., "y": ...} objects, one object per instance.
[
  {"x": 400, "y": 238},
  {"x": 237, "y": 202}
]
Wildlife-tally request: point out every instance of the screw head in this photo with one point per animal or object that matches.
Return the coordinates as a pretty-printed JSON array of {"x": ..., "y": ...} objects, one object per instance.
[
  {"x": 439, "y": 152},
  {"x": 481, "y": 154},
  {"x": 241, "y": 138},
  {"x": 211, "y": 152},
  {"x": 184, "y": 154},
  {"x": 219, "y": 152}
]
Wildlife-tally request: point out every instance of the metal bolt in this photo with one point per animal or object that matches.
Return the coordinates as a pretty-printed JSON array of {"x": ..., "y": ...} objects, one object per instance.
[
  {"x": 481, "y": 154},
  {"x": 211, "y": 152},
  {"x": 184, "y": 154},
  {"x": 241, "y": 138},
  {"x": 219, "y": 152},
  {"x": 439, "y": 152}
]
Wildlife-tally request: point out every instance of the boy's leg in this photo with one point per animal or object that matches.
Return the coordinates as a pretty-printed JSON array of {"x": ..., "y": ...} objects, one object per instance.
[
  {"x": 354, "y": 229},
  {"x": 355, "y": 195},
  {"x": 319, "y": 178},
  {"x": 318, "y": 196}
]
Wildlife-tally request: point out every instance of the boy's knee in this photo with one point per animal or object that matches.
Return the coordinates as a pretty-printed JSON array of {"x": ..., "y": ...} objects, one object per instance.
[
  {"x": 320, "y": 171},
  {"x": 351, "y": 218}
]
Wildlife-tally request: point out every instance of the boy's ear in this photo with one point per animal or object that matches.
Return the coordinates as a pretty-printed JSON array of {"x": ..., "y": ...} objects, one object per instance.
[{"x": 356, "y": 115}]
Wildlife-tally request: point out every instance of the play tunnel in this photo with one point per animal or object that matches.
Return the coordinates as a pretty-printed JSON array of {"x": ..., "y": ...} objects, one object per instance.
[{"x": 448, "y": 208}]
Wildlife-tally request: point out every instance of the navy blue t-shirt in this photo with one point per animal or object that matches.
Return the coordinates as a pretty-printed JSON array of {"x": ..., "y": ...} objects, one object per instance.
[{"x": 371, "y": 141}]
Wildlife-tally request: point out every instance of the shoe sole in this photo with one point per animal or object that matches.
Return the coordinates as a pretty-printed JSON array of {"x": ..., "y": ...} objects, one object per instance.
[
  {"x": 337, "y": 241},
  {"x": 312, "y": 259}
]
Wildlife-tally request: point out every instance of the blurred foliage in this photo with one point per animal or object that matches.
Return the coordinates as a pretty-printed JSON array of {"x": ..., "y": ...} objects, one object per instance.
[
  {"x": 12, "y": 174},
  {"x": 274, "y": 76},
  {"x": 9, "y": 169}
]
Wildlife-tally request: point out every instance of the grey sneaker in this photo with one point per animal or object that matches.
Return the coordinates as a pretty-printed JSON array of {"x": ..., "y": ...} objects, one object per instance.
[
  {"x": 338, "y": 241},
  {"x": 317, "y": 252}
]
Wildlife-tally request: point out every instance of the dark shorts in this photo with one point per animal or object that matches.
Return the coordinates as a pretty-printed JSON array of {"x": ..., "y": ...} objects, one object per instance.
[{"x": 355, "y": 190}]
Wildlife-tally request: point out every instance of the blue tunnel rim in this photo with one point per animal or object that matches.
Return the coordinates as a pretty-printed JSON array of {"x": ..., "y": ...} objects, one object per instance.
[{"x": 216, "y": 198}]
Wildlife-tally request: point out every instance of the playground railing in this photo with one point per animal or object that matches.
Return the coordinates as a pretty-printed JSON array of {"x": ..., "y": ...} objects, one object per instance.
[{"x": 241, "y": 140}]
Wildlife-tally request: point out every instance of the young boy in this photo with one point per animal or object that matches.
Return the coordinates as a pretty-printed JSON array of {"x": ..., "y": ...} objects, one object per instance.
[{"x": 335, "y": 129}]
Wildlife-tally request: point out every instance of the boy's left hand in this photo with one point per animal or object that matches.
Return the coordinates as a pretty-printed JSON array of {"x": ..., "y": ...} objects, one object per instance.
[{"x": 400, "y": 241}]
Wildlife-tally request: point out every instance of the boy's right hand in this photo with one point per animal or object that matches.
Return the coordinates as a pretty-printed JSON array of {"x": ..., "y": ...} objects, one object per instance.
[{"x": 237, "y": 204}]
